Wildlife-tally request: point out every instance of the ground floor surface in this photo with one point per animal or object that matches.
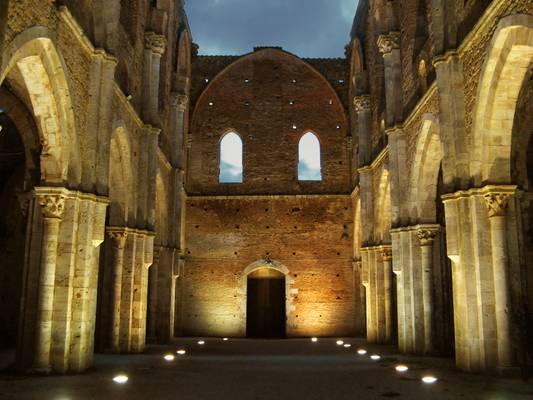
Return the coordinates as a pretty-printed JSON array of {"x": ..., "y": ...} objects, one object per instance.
[{"x": 240, "y": 369}]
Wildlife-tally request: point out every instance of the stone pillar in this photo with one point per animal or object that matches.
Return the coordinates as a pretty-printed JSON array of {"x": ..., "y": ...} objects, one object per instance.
[
  {"x": 399, "y": 175},
  {"x": 364, "y": 130},
  {"x": 152, "y": 146},
  {"x": 389, "y": 47},
  {"x": 497, "y": 204},
  {"x": 180, "y": 107},
  {"x": 153, "y": 296},
  {"x": 52, "y": 206},
  {"x": 155, "y": 46},
  {"x": 118, "y": 238},
  {"x": 426, "y": 238},
  {"x": 483, "y": 273},
  {"x": 386, "y": 257}
]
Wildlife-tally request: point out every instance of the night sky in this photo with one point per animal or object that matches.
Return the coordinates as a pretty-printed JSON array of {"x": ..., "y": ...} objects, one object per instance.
[{"x": 307, "y": 28}]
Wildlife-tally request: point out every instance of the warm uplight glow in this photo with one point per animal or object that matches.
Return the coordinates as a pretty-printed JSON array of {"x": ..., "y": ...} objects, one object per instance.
[
  {"x": 347, "y": 345},
  {"x": 429, "y": 379},
  {"x": 201, "y": 342},
  {"x": 340, "y": 342},
  {"x": 181, "y": 352},
  {"x": 375, "y": 357},
  {"x": 225, "y": 339},
  {"x": 169, "y": 357},
  {"x": 361, "y": 352},
  {"x": 402, "y": 368},
  {"x": 314, "y": 339},
  {"x": 120, "y": 379}
]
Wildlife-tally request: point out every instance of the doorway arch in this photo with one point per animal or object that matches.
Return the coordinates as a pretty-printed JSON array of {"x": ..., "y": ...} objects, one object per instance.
[{"x": 265, "y": 269}]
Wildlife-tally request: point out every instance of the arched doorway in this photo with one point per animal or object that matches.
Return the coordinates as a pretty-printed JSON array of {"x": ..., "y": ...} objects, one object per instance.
[
  {"x": 265, "y": 304},
  {"x": 19, "y": 173}
]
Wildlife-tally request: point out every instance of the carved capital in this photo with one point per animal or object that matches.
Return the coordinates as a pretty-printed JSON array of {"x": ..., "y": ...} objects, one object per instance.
[
  {"x": 52, "y": 205},
  {"x": 118, "y": 238},
  {"x": 156, "y": 43},
  {"x": 388, "y": 42},
  {"x": 179, "y": 101},
  {"x": 426, "y": 237},
  {"x": 497, "y": 203},
  {"x": 361, "y": 103},
  {"x": 386, "y": 255}
]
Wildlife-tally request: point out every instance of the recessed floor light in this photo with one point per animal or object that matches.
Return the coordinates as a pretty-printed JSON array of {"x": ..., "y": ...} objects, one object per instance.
[
  {"x": 361, "y": 352},
  {"x": 402, "y": 368},
  {"x": 225, "y": 339},
  {"x": 429, "y": 379},
  {"x": 375, "y": 357},
  {"x": 201, "y": 342},
  {"x": 181, "y": 352},
  {"x": 340, "y": 342},
  {"x": 169, "y": 357},
  {"x": 314, "y": 339},
  {"x": 347, "y": 345},
  {"x": 120, "y": 379}
]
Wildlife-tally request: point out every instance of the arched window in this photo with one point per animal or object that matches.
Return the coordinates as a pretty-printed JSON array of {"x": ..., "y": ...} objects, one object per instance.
[
  {"x": 309, "y": 168},
  {"x": 230, "y": 159}
]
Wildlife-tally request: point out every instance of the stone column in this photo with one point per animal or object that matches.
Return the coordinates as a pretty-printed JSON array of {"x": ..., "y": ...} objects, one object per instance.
[
  {"x": 153, "y": 296},
  {"x": 497, "y": 205},
  {"x": 118, "y": 238},
  {"x": 426, "y": 238},
  {"x": 386, "y": 257},
  {"x": 52, "y": 207},
  {"x": 180, "y": 106},
  {"x": 152, "y": 146},
  {"x": 155, "y": 46},
  {"x": 362, "y": 109},
  {"x": 389, "y": 47}
]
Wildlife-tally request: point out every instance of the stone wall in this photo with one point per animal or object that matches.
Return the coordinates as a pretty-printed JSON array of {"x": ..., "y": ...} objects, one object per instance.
[
  {"x": 310, "y": 235},
  {"x": 271, "y": 99}
]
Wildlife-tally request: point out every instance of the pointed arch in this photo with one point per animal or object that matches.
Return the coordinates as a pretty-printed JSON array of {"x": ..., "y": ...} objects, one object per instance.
[
  {"x": 33, "y": 65},
  {"x": 507, "y": 66},
  {"x": 424, "y": 175},
  {"x": 231, "y": 158},
  {"x": 121, "y": 183},
  {"x": 309, "y": 158}
]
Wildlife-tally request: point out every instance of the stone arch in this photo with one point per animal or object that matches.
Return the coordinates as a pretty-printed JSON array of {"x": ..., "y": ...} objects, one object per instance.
[
  {"x": 183, "y": 61},
  {"x": 25, "y": 124},
  {"x": 506, "y": 67},
  {"x": 121, "y": 183},
  {"x": 290, "y": 291},
  {"x": 425, "y": 172},
  {"x": 382, "y": 211},
  {"x": 33, "y": 66},
  {"x": 200, "y": 103}
]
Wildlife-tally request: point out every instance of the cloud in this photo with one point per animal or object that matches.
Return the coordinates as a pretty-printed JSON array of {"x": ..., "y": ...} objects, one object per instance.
[{"x": 308, "y": 28}]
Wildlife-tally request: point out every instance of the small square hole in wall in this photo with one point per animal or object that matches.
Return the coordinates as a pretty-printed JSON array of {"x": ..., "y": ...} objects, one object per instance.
[
  {"x": 338, "y": 127},
  {"x": 247, "y": 80},
  {"x": 206, "y": 80},
  {"x": 211, "y": 104},
  {"x": 291, "y": 102},
  {"x": 330, "y": 102},
  {"x": 341, "y": 81},
  {"x": 294, "y": 81},
  {"x": 294, "y": 126}
]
